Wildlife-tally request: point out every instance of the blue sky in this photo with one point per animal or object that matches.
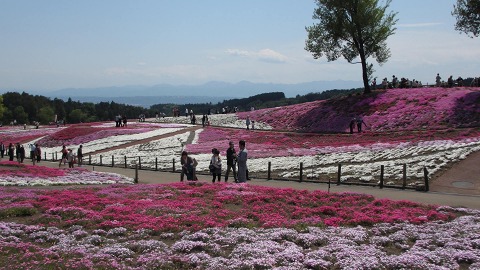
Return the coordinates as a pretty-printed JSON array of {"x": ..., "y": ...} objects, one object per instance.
[{"x": 55, "y": 44}]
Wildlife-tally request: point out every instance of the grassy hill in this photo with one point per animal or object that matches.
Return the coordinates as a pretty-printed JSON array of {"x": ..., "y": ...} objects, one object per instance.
[{"x": 389, "y": 110}]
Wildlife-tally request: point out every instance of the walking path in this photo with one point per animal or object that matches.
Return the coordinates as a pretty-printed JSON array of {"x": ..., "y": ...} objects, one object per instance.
[{"x": 433, "y": 197}]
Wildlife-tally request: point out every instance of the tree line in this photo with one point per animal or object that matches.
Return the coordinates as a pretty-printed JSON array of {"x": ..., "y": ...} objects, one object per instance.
[{"x": 24, "y": 108}]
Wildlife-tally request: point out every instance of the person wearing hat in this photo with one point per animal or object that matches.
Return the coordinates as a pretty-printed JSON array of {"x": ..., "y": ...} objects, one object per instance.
[{"x": 187, "y": 167}]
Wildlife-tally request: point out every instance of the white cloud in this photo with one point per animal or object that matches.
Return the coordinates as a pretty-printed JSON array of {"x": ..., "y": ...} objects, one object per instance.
[{"x": 265, "y": 55}]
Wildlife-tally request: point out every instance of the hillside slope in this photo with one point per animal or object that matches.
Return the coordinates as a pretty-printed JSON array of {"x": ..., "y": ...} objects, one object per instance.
[{"x": 390, "y": 110}]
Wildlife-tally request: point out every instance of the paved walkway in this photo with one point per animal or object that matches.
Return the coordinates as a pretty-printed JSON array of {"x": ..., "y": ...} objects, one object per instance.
[{"x": 433, "y": 197}]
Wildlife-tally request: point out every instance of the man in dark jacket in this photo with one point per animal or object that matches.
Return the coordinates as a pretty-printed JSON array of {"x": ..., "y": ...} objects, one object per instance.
[{"x": 231, "y": 160}]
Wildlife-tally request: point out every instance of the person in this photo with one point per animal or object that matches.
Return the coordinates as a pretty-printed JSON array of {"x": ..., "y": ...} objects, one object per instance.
[
  {"x": 242, "y": 162},
  {"x": 38, "y": 152},
  {"x": 80, "y": 156},
  {"x": 253, "y": 125},
  {"x": 231, "y": 161},
  {"x": 64, "y": 152},
  {"x": 248, "y": 122},
  {"x": 186, "y": 112},
  {"x": 204, "y": 118},
  {"x": 11, "y": 150},
  {"x": 2, "y": 149},
  {"x": 216, "y": 165},
  {"x": 438, "y": 80},
  {"x": 359, "y": 124},
  {"x": 17, "y": 152},
  {"x": 374, "y": 84},
  {"x": 70, "y": 158},
  {"x": 352, "y": 124},
  {"x": 22, "y": 153},
  {"x": 187, "y": 167},
  {"x": 32, "y": 152},
  {"x": 124, "y": 119},
  {"x": 450, "y": 81}
]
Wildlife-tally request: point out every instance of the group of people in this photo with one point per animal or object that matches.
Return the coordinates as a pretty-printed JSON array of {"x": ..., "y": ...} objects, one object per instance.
[
  {"x": 249, "y": 122},
  {"x": 358, "y": 121},
  {"x": 69, "y": 157},
  {"x": 396, "y": 83},
  {"x": 236, "y": 163},
  {"x": 120, "y": 121},
  {"x": 19, "y": 152}
]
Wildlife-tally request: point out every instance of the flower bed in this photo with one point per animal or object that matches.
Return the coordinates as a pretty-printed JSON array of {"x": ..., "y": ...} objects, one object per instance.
[
  {"x": 205, "y": 226},
  {"x": 394, "y": 109},
  {"x": 17, "y": 135},
  {"x": 16, "y": 174}
]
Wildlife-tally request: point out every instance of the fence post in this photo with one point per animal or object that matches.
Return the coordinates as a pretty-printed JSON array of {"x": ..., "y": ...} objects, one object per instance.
[
  {"x": 139, "y": 163},
  {"x": 45, "y": 156},
  {"x": 53, "y": 158},
  {"x": 125, "y": 158},
  {"x": 339, "y": 174},
  {"x": 269, "y": 172},
  {"x": 56, "y": 156},
  {"x": 404, "y": 176},
  {"x": 113, "y": 164},
  {"x": 89, "y": 159},
  {"x": 101, "y": 160},
  {"x": 425, "y": 175},
  {"x": 301, "y": 171},
  {"x": 135, "y": 180},
  {"x": 173, "y": 165},
  {"x": 381, "y": 176},
  {"x": 156, "y": 163}
]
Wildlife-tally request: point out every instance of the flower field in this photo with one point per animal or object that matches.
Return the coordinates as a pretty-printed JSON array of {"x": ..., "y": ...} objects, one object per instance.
[
  {"x": 109, "y": 223},
  {"x": 18, "y": 174},
  {"x": 204, "y": 226}
]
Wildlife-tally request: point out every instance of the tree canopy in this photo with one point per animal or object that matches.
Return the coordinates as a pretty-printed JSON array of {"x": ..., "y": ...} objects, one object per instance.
[
  {"x": 352, "y": 29},
  {"x": 467, "y": 13}
]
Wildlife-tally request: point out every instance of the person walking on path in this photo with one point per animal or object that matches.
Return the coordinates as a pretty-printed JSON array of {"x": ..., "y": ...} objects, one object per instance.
[
  {"x": 2, "y": 149},
  {"x": 64, "y": 152},
  {"x": 38, "y": 152},
  {"x": 80, "y": 156},
  {"x": 231, "y": 160},
  {"x": 70, "y": 158},
  {"x": 216, "y": 165},
  {"x": 248, "y": 122},
  {"x": 11, "y": 152},
  {"x": 242, "y": 162}
]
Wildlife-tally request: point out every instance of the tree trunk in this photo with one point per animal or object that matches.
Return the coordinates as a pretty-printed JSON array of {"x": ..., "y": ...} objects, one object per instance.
[{"x": 366, "y": 84}]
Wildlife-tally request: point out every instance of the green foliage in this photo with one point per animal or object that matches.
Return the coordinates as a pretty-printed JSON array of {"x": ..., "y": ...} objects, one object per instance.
[
  {"x": 17, "y": 212},
  {"x": 77, "y": 116},
  {"x": 352, "y": 29},
  {"x": 467, "y": 14},
  {"x": 2, "y": 108},
  {"x": 45, "y": 115},
  {"x": 20, "y": 115}
]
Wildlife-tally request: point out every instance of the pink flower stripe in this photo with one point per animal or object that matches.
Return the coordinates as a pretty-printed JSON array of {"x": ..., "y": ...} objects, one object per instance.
[
  {"x": 12, "y": 168},
  {"x": 20, "y": 136},
  {"x": 195, "y": 206},
  {"x": 394, "y": 109}
]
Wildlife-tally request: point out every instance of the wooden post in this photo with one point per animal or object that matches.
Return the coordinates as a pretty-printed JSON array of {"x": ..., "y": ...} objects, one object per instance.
[
  {"x": 113, "y": 164},
  {"x": 89, "y": 159},
  {"x": 56, "y": 156},
  {"x": 301, "y": 171},
  {"x": 425, "y": 175},
  {"x": 156, "y": 163},
  {"x": 135, "y": 180},
  {"x": 101, "y": 160},
  {"x": 45, "y": 156},
  {"x": 139, "y": 163},
  {"x": 381, "y": 176},
  {"x": 339, "y": 174},
  {"x": 53, "y": 158},
  {"x": 404, "y": 185},
  {"x": 173, "y": 165},
  {"x": 125, "y": 158},
  {"x": 269, "y": 172}
]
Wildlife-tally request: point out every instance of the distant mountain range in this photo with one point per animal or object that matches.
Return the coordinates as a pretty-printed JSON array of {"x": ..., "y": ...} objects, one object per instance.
[{"x": 214, "y": 91}]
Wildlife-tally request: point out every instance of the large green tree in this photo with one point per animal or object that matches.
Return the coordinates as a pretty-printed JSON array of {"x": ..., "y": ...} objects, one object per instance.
[
  {"x": 353, "y": 29},
  {"x": 467, "y": 13}
]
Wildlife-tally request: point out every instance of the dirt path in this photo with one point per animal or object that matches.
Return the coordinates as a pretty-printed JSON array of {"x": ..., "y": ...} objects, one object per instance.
[
  {"x": 462, "y": 178},
  {"x": 146, "y": 140}
]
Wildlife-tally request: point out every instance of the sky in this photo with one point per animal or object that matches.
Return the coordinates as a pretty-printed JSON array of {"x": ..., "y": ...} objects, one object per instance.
[{"x": 55, "y": 44}]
